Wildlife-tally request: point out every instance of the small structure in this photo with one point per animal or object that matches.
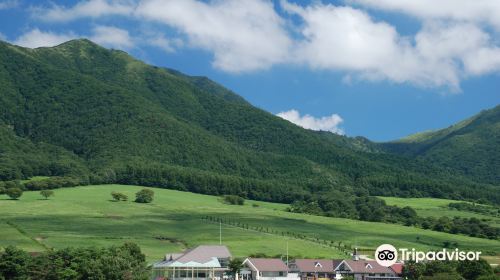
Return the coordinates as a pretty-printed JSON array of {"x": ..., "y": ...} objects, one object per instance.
[
  {"x": 265, "y": 269},
  {"x": 201, "y": 263},
  {"x": 313, "y": 269}
]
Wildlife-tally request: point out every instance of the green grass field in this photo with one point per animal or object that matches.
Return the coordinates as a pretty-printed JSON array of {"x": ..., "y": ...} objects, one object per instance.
[
  {"x": 86, "y": 216},
  {"x": 435, "y": 207}
]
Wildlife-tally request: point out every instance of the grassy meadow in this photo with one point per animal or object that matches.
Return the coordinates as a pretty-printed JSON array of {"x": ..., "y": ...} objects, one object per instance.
[{"x": 86, "y": 216}]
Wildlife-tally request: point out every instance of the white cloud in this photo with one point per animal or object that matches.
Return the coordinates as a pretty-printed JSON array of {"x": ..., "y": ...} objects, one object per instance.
[
  {"x": 462, "y": 48},
  {"x": 250, "y": 35},
  {"x": 37, "y": 38},
  {"x": 108, "y": 36},
  {"x": 328, "y": 123},
  {"x": 348, "y": 39},
  {"x": 112, "y": 37},
  {"x": 163, "y": 42},
  {"x": 2, "y": 36},
  {"x": 481, "y": 11},
  {"x": 244, "y": 35},
  {"x": 88, "y": 8},
  {"x": 8, "y": 4}
]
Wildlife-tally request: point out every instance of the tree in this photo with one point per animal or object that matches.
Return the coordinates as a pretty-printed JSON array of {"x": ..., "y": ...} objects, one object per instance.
[
  {"x": 235, "y": 265},
  {"x": 116, "y": 262},
  {"x": 2, "y": 190},
  {"x": 144, "y": 196},
  {"x": 413, "y": 270},
  {"x": 471, "y": 270},
  {"x": 14, "y": 193},
  {"x": 14, "y": 263},
  {"x": 119, "y": 196},
  {"x": 46, "y": 193}
]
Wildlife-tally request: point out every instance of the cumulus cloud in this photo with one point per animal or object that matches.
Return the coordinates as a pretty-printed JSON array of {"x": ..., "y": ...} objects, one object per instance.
[
  {"x": 8, "y": 4},
  {"x": 348, "y": 39},
  {"x": 111, "y": 36},
  {"x": 484, "y": 11},
  {"x": 243, "y": 35},
  {"x": 88, "y": 8},
  {"x": 249, "y": 35},
  {"x": 37, "y": 38},
  {"x": 328, "y": 123}
]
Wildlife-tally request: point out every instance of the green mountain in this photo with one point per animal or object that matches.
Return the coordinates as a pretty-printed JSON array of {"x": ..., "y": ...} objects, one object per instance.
[
  {"x": 113, "y": 118},
  {"x": 471, "y": 147}
]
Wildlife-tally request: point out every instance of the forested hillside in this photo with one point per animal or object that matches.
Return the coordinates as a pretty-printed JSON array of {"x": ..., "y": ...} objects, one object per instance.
[
  {"x": 84, "y": 111},
  {"x": 471, "y": 147}
]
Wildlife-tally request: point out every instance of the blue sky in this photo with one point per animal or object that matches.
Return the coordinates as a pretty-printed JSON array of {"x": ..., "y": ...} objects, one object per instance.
[{"x": 377, "y": 68}]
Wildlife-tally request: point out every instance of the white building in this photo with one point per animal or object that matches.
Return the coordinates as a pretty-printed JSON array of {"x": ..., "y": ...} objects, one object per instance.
[
  {"x": 266, "y": 269},
  {"x": 204, "y": 262}
]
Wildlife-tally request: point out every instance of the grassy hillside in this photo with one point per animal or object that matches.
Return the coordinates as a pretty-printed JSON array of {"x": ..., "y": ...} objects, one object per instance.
[
  {"x": 133, "y": 123},
  {"x": 472, "y": 146},
  {"x": 86, "y": 216}
]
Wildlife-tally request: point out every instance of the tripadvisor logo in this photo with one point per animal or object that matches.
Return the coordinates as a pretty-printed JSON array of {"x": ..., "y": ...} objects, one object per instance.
[{"x": 387, "y": 255}]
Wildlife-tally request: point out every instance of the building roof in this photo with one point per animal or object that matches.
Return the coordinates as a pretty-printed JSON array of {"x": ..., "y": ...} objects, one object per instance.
[
  {"x": 267, "y": 264},
  {"x": 397, "y": 268},
  {"x": 314, "y": 265},
  {"x": 201, "y": 256},
  {"x": 365, "y": 266},
  {"x": 205, "y": 253}
]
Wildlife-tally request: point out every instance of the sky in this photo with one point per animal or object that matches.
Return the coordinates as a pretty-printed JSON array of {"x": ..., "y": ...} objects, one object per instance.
[{"x": 381, "y": 69}]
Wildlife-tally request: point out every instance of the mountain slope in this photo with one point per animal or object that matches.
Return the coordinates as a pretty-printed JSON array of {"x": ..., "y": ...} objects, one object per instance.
[
  {"x": 471, "y": 147},
  {"x": 138, "y": 123}
]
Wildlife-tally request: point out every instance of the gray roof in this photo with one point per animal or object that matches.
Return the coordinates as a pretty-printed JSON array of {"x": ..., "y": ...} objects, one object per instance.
[
  {"x": 315, "y": 265},
  {"x": 204, "y": 253},
  {"x": 271, "y": 265},
  {"x": 365, "y": 266},
  {"x": 201, "y": 256}
]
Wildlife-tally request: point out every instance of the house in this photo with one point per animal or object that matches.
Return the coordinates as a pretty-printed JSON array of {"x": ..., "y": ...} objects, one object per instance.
[
  {"x": 265, "y": 269},
  {"x": 364, "y": 270},
  {"x": 313, "y": 269},
  {"x": 201, "y": 263}
]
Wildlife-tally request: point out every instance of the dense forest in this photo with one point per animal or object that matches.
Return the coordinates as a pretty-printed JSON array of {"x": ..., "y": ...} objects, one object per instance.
[
  {"x": 92, "y": 115},
  {"x": 471, "y": 147}
]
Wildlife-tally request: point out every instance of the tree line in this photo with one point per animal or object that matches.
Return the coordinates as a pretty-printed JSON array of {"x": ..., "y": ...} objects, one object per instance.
[
  {"x": 450, "y": 270},
  {"x": 362, "y": 207},
  {"x": 125, "y": 262}
]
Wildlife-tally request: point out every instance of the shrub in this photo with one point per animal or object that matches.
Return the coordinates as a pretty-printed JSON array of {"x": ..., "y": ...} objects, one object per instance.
[
  {"x": 144, "y": 196},
  {"x": 46, "y": 193},
  {"x": 119, "y": 196},
  {"x": 14, "y": 193},
  {"x": 233, "y": 200}
]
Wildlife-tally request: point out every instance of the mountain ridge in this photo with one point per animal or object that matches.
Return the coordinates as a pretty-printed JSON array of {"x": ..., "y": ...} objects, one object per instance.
[{"x": 116, "y": 113}]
